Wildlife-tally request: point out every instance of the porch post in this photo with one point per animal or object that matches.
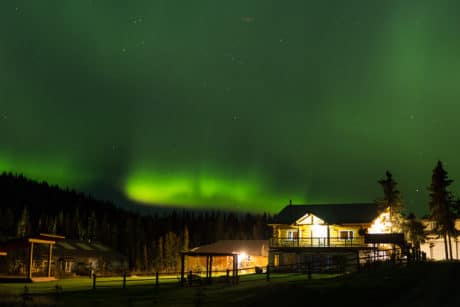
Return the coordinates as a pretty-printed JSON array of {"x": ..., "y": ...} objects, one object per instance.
[
  {"x": 328, "y": 236},
  {"x": 50, "y": 256},
  {"x": 207, "y": 267},
  {"x": 311, "y": 238},
  {"x": 31, "y": 258},
  {"x": 210, "y": 269},
  {"x": 182, "y": 269},
  {"x": 456, "y": 248},
  {"x": 235, "y": 268},
  {"x": 298, "y": 236},
  {"x": 375, "y": 251},
  {"x": 357, "y": 262}
]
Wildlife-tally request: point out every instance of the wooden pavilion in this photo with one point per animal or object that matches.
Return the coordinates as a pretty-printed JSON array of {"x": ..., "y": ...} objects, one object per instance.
[
  {"x": 29, "y": 244},
  {"x": 209, "y": 259}
]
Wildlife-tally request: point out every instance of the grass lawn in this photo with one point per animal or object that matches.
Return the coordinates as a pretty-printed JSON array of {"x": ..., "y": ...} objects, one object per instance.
[{"x": 429, "y": 284}]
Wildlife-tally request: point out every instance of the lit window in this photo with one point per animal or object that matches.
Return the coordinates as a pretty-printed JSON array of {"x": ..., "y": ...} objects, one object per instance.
[
  {"x": 292, "y": 234},
  {"x": 276, "y": 259},
  {"x": 346, "y": 234},
  {"x": 68, "y": 266}
]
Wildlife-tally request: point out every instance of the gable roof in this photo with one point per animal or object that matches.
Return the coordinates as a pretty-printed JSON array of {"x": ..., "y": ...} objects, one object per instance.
[
  {"x": 24, "y": 242},
  {"x": 250, "y": 247},
  {"x": 76, "y": 248},
  {"x": 330, "y": 213}
]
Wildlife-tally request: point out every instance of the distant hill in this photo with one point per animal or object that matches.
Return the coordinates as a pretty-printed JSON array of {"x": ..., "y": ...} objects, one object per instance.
[{"x": 29, "y": 207}]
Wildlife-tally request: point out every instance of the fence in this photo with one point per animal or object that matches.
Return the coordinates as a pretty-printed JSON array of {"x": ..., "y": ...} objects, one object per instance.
[
  {"x": 338, "y": 265},
  {"x": 311, "y": 269},
  {"x": 126, "y": 280}
]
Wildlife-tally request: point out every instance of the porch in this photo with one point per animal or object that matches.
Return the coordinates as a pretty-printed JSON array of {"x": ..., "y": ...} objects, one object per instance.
[{"x": 317, "y": 242}]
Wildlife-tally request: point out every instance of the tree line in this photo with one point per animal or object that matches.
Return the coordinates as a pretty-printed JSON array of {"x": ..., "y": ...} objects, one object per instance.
[
  {"x": 443, "y": 205},
  {"x": 151, "y": 242},
  {"x": 154, "y": 241}
]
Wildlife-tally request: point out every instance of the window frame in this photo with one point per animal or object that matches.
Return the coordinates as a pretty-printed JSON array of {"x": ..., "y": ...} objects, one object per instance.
[{"x": 349, "y": 235}]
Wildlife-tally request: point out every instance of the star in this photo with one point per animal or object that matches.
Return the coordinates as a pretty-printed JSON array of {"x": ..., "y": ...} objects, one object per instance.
[{"x": 248, "y": 19}]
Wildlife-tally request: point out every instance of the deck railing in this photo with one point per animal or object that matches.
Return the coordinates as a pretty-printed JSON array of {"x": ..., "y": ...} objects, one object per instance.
[{"x": 317, "y": 242}]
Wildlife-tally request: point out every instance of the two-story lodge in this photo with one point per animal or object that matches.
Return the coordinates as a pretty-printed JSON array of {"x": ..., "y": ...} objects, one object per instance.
[{"x": 331, "y": 234}]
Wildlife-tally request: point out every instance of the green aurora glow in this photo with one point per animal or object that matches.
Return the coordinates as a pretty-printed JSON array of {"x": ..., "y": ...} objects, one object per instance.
[
  {"x": 206, "y": 191},
  {"x": 242, "y": 104}
]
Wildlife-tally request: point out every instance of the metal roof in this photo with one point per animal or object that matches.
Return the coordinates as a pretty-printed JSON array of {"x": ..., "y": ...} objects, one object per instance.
[
  {"x": 228, "y": 247},
  {"x": 25, "y": 241}
]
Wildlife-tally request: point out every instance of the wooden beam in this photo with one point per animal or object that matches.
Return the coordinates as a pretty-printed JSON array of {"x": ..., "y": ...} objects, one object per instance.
[
  {"x": 235, "y": 269},
  {"x": 358, "y": 262},
  {"x": 207, "y": 267},
  {"x": 182, "y": 269},
  {"x": 210, "y": 269},
  {"x": 50, "y": 257},
  {"x": 40, "y": 241},
  {"x": 31, "y": 258}
]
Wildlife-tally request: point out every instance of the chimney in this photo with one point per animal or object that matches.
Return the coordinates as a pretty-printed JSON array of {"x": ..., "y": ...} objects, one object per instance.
[{"x": 290, "y": 202}]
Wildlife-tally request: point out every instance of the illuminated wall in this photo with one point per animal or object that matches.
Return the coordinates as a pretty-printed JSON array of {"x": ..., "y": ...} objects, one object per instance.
[
  {"x": 311, "y": 230},
  {"x": 434, "y": 245}
]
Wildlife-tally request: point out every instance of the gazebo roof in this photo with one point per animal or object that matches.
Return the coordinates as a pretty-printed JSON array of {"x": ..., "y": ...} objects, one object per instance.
[{"x": 231, "y": 247}]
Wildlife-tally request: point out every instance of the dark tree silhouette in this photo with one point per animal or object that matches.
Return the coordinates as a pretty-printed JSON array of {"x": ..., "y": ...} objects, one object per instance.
[
  {"x": 441, "y": 206},
  {"x": 148, "y": 240},
  {"x": 414, "y": 230},
  {"x": 392, "y": 200}
]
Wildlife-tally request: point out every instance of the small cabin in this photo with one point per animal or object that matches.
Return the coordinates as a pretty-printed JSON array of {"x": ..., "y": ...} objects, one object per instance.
[
  {"x": 53, "y": 256},
  {"x": 80, "y": 258}
]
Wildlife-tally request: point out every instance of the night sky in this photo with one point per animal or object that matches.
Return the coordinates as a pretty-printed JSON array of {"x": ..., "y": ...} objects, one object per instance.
[{"x": 240, "y": 104}]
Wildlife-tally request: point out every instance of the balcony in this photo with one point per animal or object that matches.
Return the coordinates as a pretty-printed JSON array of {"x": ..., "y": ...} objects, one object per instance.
[{"x": 317, "y": 242}]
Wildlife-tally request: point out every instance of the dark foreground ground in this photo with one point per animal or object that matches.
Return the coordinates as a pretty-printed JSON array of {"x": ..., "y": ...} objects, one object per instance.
[{"x": 429, "y": 284}]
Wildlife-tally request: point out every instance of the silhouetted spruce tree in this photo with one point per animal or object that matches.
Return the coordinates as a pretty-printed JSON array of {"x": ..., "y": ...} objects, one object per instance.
[
  {"x": 84, "y": 218},
  {"x": 185, "y": 239},
  {"x": 7, "y": 223},
  {"x": 171, "y": 251},
  {"x": 414, "y": 230},
  {"x": 23, "y": 223},
  {"x": 52, "y": 226},
  {"x": 159, "y": 259},
  {"x": 92, "y": 226},
  {"x": 441, "y": 206},
  {"x": 392, "y": 200}
]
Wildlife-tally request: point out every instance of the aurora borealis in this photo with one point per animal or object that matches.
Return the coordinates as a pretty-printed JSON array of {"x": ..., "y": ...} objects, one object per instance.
[{"x": 239, "y": 104}]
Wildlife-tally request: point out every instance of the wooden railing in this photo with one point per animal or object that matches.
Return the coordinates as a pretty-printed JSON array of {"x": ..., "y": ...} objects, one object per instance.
[{"x": 317, "y": 242}]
